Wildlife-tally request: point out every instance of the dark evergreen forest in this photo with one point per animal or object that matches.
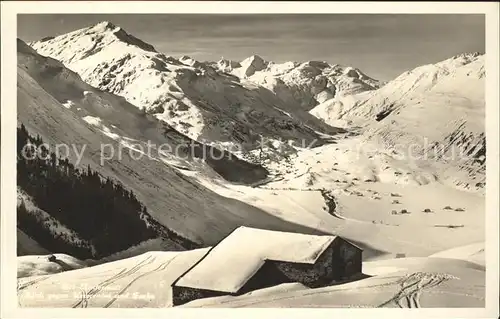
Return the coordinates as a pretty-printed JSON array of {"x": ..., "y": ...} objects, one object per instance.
[{"x": 100, "y": 210}]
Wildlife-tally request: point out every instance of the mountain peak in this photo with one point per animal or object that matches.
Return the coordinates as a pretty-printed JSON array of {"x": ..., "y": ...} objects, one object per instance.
[
  {"x": 101, "y": 35},
  {"x": 122, "y": 35},
  {"x": 253, "y": 59},
  {"x": 469, "y": 55},
  {"x": 253, "y": 64},
  {"x": 104, "y": 26}
]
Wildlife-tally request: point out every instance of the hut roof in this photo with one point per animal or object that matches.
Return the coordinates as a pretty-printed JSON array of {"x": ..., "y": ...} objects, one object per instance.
[{"x": 232, "y": 262}]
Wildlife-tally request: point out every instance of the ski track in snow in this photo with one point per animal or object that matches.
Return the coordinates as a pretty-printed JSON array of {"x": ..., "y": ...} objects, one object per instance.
[
  {"x": 86, "y": 296},
  {"x": 412, "y": 287},
  {"x": 160, "y": 267}
]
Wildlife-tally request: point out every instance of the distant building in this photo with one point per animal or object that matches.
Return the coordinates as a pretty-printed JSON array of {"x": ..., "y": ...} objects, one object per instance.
[{"x": 249, "y": 259}]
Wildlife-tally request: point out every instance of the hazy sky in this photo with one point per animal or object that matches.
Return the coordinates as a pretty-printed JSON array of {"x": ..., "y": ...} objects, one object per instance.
[{"x": 382, "y": 46}]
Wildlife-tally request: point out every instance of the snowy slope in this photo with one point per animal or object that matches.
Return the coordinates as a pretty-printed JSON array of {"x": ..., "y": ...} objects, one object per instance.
[
  {"x": 145, "y": 281},
  {"x": 473, "y": 253},
  {"x": 432, "y": 114},
  {"x": 193, "y": 97},
  {"x": 398, "y": 283},
  {"x": 140, "y": 281},
  {"x": 172, "y": 198}
]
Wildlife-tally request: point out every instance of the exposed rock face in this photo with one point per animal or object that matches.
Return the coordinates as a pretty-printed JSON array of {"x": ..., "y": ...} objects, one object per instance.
[{"x": 251, "y": 65}]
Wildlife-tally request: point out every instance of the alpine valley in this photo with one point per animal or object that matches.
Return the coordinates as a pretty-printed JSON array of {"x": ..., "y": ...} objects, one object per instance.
[{"x": 396, "y": 168}]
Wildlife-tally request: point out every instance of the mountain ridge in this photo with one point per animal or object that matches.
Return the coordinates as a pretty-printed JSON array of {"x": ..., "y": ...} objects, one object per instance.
[{"x": 186, "y": 93}]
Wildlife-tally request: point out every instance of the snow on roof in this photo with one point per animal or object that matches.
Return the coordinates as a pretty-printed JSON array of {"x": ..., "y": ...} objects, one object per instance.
[{"x": 232, "y": 262}]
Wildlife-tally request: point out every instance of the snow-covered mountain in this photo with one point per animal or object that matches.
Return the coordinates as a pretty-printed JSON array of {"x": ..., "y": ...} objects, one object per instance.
[
  {"x": 304, "y": 85},
  {"x": 56, "y": 104},
  {"x": 433, "y": 112},
  {"x": 454, "y": 75},
  {"x": 198, "y": 99}
]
